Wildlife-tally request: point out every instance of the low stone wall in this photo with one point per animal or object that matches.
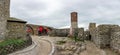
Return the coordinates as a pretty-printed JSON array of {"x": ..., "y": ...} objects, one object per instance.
[{"x": 59, "y": 32}]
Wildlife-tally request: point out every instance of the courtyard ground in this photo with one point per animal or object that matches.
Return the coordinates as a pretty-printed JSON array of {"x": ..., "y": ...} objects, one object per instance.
[
  {"x": 44, "y": 47},
  {"x": 91, "y": 48}
]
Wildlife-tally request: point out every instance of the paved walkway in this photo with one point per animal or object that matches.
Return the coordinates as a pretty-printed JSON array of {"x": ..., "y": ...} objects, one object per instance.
[
  {"x": 45, "y": 47},
  {"x": 40, "y": 47}
]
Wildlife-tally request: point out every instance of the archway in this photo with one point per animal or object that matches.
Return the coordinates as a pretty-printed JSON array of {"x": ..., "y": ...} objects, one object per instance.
[{"x": 29, "y": 30}]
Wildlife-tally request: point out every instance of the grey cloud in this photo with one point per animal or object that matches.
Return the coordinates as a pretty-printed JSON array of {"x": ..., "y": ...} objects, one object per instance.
[{"x": 99, "y": 11}]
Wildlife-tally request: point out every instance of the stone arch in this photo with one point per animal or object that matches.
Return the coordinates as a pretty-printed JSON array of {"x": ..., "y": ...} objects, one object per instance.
[{"x": 32, "y": 31}]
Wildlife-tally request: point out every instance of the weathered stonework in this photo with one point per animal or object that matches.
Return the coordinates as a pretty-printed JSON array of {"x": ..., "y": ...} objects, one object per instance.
[
  {"x": 4, "y": 14},
  {"x": 102, "y": 35},
  {"x": 87, "y": 35},
  {"x": 59, "y": 32},
  {"x": 81, "y": 34},
  {"x": 16, "y": 28},
  {"x": 92, "y": 27},
  {"x": 115, "y": 39}
]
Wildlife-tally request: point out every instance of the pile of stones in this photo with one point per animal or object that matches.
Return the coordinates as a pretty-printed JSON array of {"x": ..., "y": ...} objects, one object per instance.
[{"x": 70, "y": 48}]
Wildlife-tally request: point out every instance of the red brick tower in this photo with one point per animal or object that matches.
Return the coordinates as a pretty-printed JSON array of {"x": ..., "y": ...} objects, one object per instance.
[{"x": 74, "y": 23}]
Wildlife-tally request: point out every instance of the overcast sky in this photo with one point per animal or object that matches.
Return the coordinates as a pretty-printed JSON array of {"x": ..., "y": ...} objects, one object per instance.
[{"x": 56, "y": 13}]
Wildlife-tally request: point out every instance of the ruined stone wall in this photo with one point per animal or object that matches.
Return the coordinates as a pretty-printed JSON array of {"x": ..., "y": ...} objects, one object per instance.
[
  {"x": 102, "y": 35},
  {"x": 81, "y": 34},
  {"x": 92, "y": 28},
  {"x": 94, "y": 36},
  {"x": 4, "y": 14},
  {"x": 16, "y": 30},
  {"x": 87, "y": 35},
  {"x": 115, "y": 39},
  {"x": 59, "y": 32}
]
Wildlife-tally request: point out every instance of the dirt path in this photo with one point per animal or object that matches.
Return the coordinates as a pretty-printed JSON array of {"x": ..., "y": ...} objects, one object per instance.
[
  {"x": 44, "y": 46},
  {"x": 93, "y": 50}
]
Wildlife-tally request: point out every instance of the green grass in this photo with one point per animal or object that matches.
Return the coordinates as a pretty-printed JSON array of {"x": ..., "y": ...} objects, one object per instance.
[{"x": 10, "y": 45}]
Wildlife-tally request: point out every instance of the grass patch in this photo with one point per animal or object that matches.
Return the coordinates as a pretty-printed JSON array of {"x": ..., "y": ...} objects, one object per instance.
[{"x": 11, "y": 45}]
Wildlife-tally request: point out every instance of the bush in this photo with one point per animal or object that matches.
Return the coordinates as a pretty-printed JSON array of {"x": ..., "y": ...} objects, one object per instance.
[{"x": 11, "y": 45}]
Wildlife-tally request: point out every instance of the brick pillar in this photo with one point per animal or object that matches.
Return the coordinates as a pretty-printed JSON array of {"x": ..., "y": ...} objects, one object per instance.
[
  {"x": 4, "y": 14},
  {"x": 74, "y": 24}
]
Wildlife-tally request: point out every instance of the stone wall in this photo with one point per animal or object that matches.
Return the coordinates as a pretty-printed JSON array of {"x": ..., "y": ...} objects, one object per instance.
[
  {"x": 101, "y": 36},
  {"x": 115, "y": 39},
  {"x": 35, "y": 28},
  {"x": 4, "y": 14},
  {"x": 59, "y": 32},
  {"x": 81, "y": 35},
  {"x": 92, "y": 28},
  {"x": 16, "y": 30},
  {"x": 87, "y": 35}
]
